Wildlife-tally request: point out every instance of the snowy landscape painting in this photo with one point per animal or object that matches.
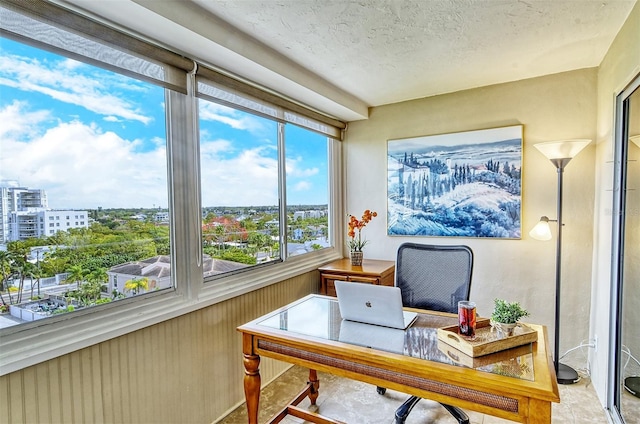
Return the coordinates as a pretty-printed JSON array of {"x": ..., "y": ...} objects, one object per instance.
[{"x": 465, "y": 184}]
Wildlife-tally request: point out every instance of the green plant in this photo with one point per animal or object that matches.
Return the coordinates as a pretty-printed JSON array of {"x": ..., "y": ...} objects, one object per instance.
[{"x": 507, "y": 313}]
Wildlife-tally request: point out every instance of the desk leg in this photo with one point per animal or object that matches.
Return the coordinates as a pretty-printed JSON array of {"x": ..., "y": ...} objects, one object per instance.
[
  {"x": 539, "y": 412},
  {"x": 314, "y": 385},
  {"x": 252, "y": 386}
]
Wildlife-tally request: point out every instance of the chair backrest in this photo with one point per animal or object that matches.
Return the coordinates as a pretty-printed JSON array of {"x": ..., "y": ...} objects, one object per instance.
[{"x": 434, "y": 277}]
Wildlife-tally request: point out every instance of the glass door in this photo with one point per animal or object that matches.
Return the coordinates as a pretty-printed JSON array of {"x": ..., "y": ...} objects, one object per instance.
[{"x": 624, "y": 396}]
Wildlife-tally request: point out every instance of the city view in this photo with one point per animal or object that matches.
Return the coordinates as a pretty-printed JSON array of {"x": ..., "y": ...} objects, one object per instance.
[{"x": 85, "y": 193}]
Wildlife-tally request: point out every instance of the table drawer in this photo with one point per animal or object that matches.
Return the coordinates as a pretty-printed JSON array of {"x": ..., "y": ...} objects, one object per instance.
[{"x": 331, "y": 288}]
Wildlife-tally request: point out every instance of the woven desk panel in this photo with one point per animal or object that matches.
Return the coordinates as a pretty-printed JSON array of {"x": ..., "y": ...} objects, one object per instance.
[{"x": 495, "y": 401}]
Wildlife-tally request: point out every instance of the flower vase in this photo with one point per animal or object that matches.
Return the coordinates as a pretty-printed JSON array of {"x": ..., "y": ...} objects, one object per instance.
[{"x": 356, "y": 258}]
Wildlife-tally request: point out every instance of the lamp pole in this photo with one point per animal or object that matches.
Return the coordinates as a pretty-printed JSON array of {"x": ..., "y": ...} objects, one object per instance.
[
  {"x": 564, "y": 373},
  {"x": 560, "y": 153}
]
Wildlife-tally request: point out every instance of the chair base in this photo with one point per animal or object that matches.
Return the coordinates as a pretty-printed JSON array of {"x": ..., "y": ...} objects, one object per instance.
[
  {"x": 457, "y": 413},
  {"x": 405, "y": 409}
]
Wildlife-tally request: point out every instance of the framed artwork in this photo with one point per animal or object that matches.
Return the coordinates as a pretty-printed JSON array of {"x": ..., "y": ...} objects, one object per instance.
[{"x": 465, "y": 184}]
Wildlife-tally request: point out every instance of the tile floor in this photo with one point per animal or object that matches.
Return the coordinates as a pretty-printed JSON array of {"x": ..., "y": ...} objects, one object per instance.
[{"x": 358, "y": 403}]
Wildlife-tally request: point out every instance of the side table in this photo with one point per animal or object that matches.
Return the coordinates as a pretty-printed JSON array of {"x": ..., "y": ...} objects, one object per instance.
[{"x": 372, "y": 271}]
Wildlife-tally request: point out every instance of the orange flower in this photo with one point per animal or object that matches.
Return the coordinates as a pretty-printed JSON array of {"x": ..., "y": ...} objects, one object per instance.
[{"x": 357, "y": 244}]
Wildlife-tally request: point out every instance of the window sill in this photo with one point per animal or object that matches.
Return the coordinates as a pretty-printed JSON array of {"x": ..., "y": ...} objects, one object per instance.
[{"x": 38, "y": 342}]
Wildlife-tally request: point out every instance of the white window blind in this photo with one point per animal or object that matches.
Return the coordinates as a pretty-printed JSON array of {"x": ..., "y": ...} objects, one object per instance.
[
  {"x": 49, "y": 27},
  {"x": 214, "y": 86}
]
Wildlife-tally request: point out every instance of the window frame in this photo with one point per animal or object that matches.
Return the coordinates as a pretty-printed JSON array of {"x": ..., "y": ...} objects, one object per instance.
[{"x": 28, "y": 344}]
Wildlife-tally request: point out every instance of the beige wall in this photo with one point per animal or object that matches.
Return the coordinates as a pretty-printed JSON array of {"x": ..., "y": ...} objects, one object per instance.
[
  {"x": 185, "y": 370},
  {"x": 619, "y": 67},
  {"x": 550, "y": 108}
]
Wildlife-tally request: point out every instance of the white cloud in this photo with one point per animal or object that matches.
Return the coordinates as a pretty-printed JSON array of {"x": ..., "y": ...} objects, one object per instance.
[
  {"x": 209, "y": 150},
  {"x": 67, "y": 81},
  {"x": 247, "y": 178},
  {"x": 294, "y": 169},
  {"x": 302, "y": 186},
  {"x": 16, "y": 122},
  {"x": 81, "y": 166}
]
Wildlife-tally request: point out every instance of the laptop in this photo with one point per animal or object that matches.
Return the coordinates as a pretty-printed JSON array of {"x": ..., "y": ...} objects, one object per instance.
[{"x": 373, "y": 304}]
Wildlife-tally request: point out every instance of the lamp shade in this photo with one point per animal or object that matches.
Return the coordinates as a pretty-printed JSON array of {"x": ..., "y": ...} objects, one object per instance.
[
  {"x": 541, "y": 231},
  {"x": 635, "y": 139},
  {"x": 562, "y": 149}
]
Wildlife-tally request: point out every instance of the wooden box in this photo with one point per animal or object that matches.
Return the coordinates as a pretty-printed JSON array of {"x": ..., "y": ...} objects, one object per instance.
[{"x": 487, "y": 340}]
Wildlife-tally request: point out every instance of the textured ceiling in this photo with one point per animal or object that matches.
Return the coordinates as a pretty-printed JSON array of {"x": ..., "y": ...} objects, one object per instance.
[{"x": 343, "y": 56}]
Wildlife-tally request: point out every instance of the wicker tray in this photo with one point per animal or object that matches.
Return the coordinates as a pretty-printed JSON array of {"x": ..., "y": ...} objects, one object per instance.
[
  {"x": 461, "y": 358},
  {"x": 487, "y": 340}
]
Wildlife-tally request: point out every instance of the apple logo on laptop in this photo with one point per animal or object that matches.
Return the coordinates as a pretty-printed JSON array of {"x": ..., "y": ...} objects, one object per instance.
[{"x": 368, "y": 304}]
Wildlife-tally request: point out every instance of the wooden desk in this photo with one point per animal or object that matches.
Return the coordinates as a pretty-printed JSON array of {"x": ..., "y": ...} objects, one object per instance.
[
  {"x": 372, "y": 271},
  {"x": 308, "y": 333}
]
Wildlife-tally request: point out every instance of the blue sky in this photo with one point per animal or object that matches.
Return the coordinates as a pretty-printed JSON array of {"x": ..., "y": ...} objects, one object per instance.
[{"x": 91, "y": 137}]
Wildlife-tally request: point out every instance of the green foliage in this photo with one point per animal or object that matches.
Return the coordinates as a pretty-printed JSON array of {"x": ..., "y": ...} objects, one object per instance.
[
  {"x": 507, "y": 313},
  {"x": 237, "y": 255},
  {"x": 100, "y": 246},
  {"x": 106, "y": 261},
  {"x": 69, "y": 308},
  {"x": 20, "y": 247},
  {"x": 136, "y": 285},
  {"x": 88, "y": 293}
]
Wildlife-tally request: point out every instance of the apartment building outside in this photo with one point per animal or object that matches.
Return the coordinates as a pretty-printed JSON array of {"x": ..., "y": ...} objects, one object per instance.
[{"x": 24, "y": 213}]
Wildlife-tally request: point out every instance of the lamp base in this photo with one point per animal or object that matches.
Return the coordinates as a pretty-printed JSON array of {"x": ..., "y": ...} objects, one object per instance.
[
  {"x": 632, "y": 384},
  {"x": 567, "y": 375}
]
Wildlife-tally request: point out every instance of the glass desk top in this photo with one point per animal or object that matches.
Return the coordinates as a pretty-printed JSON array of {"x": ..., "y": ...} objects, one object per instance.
[{"x": 319, "y": 317}]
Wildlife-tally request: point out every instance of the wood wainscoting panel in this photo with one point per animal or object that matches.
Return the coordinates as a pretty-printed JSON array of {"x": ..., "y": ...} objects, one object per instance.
[{"x": 188, "y": 369}]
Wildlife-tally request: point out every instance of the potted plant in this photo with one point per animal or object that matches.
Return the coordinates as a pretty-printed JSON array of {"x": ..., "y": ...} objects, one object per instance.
[
  {"x": 505, "y": 316},
  {"x": 356, "y": 242}
]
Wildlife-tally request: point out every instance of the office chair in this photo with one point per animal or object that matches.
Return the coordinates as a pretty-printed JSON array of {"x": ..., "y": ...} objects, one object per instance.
[{"x": 435, "y": 278}]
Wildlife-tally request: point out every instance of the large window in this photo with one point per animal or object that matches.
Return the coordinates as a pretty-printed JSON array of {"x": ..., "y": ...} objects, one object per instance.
[
  {"x": 164, "y": 181},
  {"x": 78, "y": 140},
  {"x": 253, "y": 212},
  {"x": 240, "y": 197},
  {"x": 307, "y": 163}
]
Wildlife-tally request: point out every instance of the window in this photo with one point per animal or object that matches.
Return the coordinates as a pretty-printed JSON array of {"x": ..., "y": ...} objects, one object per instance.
[
  {"x": 239, "y": 175},
  {"x": 264, "y": 183},
  {"x": 124, "y": 156},
  {"x": 307, "y": 164},
  {"x": 90, "y": 121}
]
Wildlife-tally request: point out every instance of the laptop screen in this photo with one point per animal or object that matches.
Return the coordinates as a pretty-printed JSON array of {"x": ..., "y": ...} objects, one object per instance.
[{"x": 372, "y": 304}]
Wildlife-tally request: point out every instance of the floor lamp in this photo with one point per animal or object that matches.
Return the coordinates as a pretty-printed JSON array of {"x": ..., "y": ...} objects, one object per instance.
[{"x": 559, "y": 153}]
